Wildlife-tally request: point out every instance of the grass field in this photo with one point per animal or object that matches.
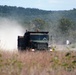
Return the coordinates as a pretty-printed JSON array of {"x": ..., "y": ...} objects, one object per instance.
[{"x": 38, "y": 63}]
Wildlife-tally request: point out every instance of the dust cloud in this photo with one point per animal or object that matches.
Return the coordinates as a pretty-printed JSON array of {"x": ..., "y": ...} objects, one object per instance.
[{"x": 9, "y": 31}]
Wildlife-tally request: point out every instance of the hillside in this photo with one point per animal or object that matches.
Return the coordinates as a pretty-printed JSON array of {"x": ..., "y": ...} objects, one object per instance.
[
  {"x": 33, "y": 13},
  {"x": 33, "y": 19}
]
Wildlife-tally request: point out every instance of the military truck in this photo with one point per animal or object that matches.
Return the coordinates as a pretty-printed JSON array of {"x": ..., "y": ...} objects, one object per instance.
[{"x": 37, "y": 40}]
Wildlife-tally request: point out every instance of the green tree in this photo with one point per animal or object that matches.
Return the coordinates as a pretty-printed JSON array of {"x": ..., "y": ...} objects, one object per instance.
[
  {"x": 65, "y": 25},
  {"x": 39, "y": 24}
]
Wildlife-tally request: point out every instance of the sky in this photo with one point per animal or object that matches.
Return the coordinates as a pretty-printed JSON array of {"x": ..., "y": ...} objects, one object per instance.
[{"x": 42, "y": 4}]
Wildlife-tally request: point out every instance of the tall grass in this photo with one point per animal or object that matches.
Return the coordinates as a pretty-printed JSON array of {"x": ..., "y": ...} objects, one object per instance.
[{"x": 38, "y": 63}]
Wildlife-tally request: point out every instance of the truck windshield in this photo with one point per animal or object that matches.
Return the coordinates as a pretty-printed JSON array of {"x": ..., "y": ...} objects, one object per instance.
[{"x": 39, "y": 37}]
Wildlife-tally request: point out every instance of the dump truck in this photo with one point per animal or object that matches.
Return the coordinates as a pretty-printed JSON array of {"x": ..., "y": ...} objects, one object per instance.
[{"x": 37, "y": 40}]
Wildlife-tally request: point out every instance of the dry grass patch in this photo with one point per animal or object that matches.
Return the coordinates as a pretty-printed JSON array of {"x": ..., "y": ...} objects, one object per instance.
[{"x": 38, "y": 63}]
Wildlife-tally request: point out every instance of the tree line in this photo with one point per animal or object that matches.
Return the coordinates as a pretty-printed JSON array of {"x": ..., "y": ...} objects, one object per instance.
[{"x": 56, "y": 22}]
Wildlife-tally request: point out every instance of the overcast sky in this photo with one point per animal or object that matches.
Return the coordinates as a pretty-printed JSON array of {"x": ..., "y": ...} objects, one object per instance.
[{"x": 42, "y": 4}]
